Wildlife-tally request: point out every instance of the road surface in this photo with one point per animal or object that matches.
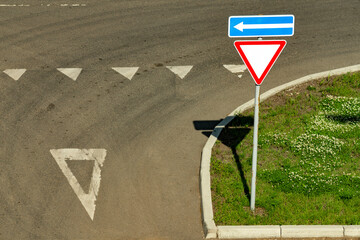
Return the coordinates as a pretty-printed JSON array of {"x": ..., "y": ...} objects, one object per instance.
[{"x": 149, "y": 186}]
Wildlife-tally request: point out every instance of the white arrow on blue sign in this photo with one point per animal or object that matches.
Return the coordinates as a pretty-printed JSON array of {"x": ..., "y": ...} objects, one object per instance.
[{"x": 261, "y": 26}]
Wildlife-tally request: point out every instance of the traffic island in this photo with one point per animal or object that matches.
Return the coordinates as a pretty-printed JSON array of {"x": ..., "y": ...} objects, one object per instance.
[{"x": 308, "y": 163}]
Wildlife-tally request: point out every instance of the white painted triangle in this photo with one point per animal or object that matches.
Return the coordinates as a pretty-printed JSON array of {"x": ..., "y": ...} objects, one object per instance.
[
  {"x": 180, "y": 71},
  {"x": 72, "y": 73},
  {"x": 87, "y": 199},
  {"x": 127, "y": 72},
  {"x": 259, "y": 56},
  {"x": 235, "y": 68},
  {"x": 15, "y": 73}
]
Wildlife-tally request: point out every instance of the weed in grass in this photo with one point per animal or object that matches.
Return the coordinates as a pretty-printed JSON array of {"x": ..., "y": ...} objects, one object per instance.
[{"x": 311, "y": 88}]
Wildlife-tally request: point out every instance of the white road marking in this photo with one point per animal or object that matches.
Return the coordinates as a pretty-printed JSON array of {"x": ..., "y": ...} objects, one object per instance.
[
  {"x": 127, "y": 72},
  {"x": 14, "y": 5},
  {"x": 15, "y": 73},
  {"x": 180, "y": 71},
  {"x": 72, "y": 73},
  {"x": 235, "y": 69},
  {"x": 87, "y": 199},
  {"x": 72, "y": 5},
  {"x": 48, "y": 5}
]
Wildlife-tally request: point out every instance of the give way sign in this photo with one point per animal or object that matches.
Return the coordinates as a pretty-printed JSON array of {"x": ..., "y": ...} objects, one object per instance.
[{"x": 259, "y": 56}]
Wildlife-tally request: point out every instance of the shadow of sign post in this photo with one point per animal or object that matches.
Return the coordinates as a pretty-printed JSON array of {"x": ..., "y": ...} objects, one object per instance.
[{"x": 231, "y": 136}]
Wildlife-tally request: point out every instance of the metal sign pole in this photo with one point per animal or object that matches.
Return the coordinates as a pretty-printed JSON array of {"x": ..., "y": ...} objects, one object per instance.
[{"x": 255, "y": 145}]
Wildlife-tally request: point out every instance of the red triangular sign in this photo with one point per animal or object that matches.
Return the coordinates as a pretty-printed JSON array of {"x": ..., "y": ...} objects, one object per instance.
[{"x": 259, "y": 56}]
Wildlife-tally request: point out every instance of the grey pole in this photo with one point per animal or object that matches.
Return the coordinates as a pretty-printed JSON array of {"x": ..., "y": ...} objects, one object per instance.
[{"x": 255, "y": 145}]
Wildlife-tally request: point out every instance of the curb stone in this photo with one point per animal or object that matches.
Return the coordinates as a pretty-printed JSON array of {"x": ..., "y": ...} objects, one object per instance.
[
  {"x": 351, "y": 231},
  {"x": 307, "y": 231},
  {"x": 210, "y": 228},
  {"x": 267, "y": 231}
]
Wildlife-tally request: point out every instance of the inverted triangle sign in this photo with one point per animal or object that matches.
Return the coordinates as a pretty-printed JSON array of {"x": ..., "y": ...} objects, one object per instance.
[{"x": 259, "y": 56}]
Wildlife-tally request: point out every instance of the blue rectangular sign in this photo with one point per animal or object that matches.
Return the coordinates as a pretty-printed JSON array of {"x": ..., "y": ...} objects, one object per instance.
[{"x": 261, "y": 26}]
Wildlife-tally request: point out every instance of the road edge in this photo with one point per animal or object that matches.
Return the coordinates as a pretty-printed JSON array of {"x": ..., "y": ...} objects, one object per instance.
[{"x": 210, "y": 228}]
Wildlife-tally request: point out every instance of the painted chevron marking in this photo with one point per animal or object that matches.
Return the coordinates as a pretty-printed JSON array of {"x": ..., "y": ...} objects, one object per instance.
[
  {"x": 15, "y": 73},
  {"x": 235, "y": 69},
  {"x": 127, "y": 72},
  {"x": 180, "y": 71},
  {"x": 72, "y": 73}
]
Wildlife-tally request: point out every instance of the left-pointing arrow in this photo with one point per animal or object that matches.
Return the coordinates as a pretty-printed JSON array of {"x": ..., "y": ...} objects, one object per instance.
[{"x": 241, "y": 26}]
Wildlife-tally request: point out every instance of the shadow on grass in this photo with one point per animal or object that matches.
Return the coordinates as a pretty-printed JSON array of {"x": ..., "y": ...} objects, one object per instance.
[
  {"x": 344, "y": 118},
  {"x": 231, "y": 136}
]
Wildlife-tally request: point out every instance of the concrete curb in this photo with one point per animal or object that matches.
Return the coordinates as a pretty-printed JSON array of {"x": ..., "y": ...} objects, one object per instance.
[
  {"x": 307, "y": 231},
  {"x": 265, "y": 231},
  {"x": 210, "y": 228},
  {"x": 351, "y": 231}
]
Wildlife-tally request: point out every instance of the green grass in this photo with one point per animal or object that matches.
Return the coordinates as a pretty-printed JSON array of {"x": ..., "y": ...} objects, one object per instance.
[{"x": 308, "y": 158}]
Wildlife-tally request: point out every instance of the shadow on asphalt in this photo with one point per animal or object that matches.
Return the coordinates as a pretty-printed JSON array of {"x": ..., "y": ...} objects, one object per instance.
[
  {"x": 231, "y": 136},
  {"x": 207, "y": 126}
]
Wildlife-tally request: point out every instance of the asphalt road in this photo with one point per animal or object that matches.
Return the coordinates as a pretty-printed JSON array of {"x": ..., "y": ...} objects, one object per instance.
[{"x": 150, "y": 178}]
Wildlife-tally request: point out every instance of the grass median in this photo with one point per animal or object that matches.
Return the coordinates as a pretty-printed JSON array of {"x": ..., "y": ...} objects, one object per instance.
[{"x": 308, "y": 158}]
